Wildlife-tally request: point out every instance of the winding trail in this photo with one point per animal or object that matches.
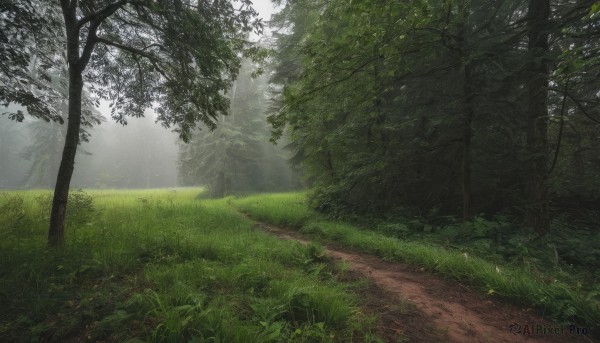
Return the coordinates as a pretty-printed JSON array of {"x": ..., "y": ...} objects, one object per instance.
[{"x": 443, "y": 310}]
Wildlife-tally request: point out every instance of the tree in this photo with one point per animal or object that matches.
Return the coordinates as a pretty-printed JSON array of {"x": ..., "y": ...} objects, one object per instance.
[
  {"x": 177, "y": 55},
  {"x": 237, "y": 157},
  {"x": 27, "y": 51},
  {"x": 48, "y": 138},
  {"x": 537, "y": 211},
  {"x": 12, "y": 136},
  {"x": 575, "y": 38},
  {"x": 574, "y": 167}
]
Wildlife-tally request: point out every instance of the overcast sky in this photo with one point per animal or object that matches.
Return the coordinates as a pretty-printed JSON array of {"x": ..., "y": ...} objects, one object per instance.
[{"x": 264, "y": 7}]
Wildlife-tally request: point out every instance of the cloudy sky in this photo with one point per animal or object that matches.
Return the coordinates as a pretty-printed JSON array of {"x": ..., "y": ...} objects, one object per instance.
[{"x": 264, "y": 7}]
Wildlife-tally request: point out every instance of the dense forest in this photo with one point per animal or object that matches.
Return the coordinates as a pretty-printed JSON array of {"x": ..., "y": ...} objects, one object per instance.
[{"x": 463, "y": 107}]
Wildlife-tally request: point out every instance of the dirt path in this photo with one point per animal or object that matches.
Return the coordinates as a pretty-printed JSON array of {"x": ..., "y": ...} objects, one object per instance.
[{"x": 415, "y": 306}]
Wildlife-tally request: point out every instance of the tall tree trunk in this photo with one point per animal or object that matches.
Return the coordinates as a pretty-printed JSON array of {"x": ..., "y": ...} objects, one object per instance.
[
  {"x": 56, "y": 232},
  {"x": 467, "y": 134},
  {"x": 464, "y": 55},
  {"x": 537, "y": 213}
]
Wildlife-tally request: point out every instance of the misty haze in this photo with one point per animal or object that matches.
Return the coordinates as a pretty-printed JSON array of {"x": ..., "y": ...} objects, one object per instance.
[
  {"x": 139, "y": 155},
  {"x": 234, "y": 158}
]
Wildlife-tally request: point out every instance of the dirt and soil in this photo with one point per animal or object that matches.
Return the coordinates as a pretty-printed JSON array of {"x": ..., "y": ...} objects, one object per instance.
[{"x": 416, "y": 306}]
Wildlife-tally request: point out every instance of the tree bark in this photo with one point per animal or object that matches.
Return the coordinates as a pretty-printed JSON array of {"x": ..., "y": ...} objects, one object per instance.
[
  {"x": 467, "y": 135},
  {"x": 56, "y": 231},
  {"x": 537, "y": 213}
]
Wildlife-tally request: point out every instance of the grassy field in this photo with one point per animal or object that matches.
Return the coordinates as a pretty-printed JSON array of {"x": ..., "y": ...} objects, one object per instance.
[
  {"x": 164, "y": 266},
  {"x": 565, "y": 300}
]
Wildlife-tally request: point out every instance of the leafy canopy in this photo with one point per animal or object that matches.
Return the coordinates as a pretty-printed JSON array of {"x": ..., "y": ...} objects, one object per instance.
[{"x": 178, "y": 57}]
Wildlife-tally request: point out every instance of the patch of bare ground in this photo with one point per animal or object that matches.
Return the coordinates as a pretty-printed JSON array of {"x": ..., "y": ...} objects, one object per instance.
[{"x": 416, "y": 306}]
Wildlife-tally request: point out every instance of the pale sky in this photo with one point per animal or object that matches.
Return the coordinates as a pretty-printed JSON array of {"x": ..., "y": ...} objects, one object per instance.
[{"x": 264, "y": 7}]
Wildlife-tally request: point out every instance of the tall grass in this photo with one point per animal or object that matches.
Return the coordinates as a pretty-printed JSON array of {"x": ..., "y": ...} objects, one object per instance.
[
  {"x": 162, "y": 266},
  {"x": 558, "y": 300},
  {"x": 287, "y": 209}
]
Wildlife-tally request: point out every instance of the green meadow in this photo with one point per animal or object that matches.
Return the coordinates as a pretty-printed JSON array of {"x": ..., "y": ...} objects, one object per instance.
[
  {"x": 171, "y": 266},
  {"x": 164, "y": 266}
]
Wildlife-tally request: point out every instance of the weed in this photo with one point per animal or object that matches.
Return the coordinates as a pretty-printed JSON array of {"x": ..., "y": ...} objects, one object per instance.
[
  {"x": 81, "y": 209},
  {"x": 14, "y": 216}
]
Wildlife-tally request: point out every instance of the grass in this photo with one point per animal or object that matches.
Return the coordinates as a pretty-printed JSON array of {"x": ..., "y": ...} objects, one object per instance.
[
  {"x": 163, "y": 266},
  {"x": 287, "y": 209},
  {"x": 562, "y": 301}
]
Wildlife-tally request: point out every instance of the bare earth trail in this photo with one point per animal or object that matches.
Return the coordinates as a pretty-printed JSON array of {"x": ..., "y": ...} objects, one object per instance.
[{"x": 415, "y": 306}]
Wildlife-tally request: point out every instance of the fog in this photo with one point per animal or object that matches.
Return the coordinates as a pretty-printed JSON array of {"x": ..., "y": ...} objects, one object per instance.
[
  {"x": 141, "y": 154},
  {"x": 235, "y": 158}
]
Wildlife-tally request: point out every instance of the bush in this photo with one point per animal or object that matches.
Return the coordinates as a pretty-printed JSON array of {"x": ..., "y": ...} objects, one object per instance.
[
  {"x": 13, "y": 213},
  {"x": 81, "y": 209}
]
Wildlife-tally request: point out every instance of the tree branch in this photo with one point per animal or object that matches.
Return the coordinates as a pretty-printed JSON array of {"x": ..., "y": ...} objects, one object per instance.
[
  {"x": 102, "y": 14},
  {"x": 560, "y": 131},
  {"x": 137, "y": 52},
  {"x": 95, "y": 20},
  {"x": 577, "y": 102},
  {"x": 342, "y": 79},
  {"x": 140, "y": 73}
]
